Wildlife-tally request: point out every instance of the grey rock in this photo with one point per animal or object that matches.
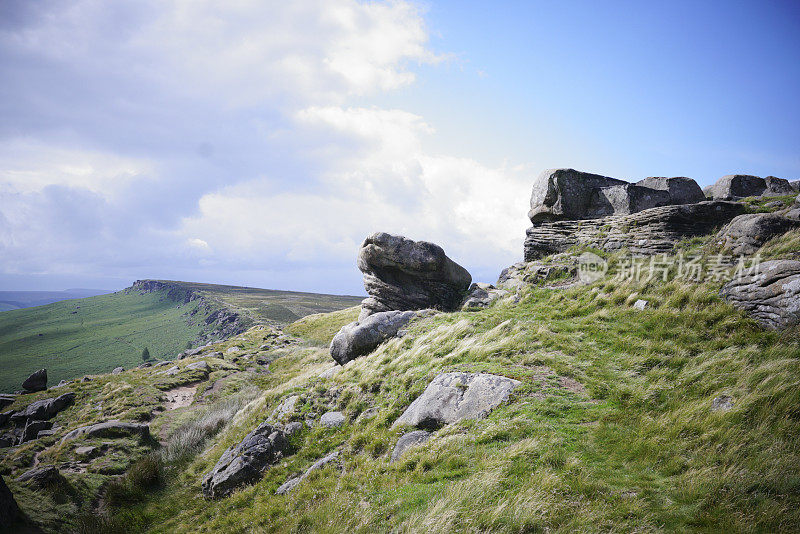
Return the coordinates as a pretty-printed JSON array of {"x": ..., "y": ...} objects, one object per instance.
[
  {"x": 118, "y": 370},
  {"x": 774, "y": 204},
  {"x": 293, "y": 428},
  {"x": 36, "y": 382},
  {"x": 681, "y": 190},
  {"x": 46, "y": 433},
  {"x": 482, "y": 296},
  {"x": 244, "y": 463},
  {"x": 109, "y": 429},
  {"x": 640, "y": 304},
  {"x": 87, "y": 452},
  {"x": 144, "y": 365},
  {"x": 42, "y": 477},
  {"x": 451, "y": 397},
  {"x": 7, "y": 400},
  {"x": 795, "y": 185},
  {"x": 172, "y": 371},
  {"x": 330, "y": 372},
  {"x": 565, "y": 194},
  {"x": 10, "y": 514},
  {"x": 722, "y": 403},
  {"x": 735, "y": 186},
  {"x": 363, "y": 336},
  {"x": 63, "y": 383},
  {"x": 7, "y": 440},
  {"x": 32, "y": 429},
  {"x": 201, "y": 366},
  {"x": 292, "y": 483},
  {"x": 624, "y": 199},
  {"x": 652, "y": 231},
  {"x": 163, "y": 363},
  {"x": 528, "y": 273},
  {"x": 45, "y": 408},
  {"x": 745, "y": 234},
  {"x": 407, "y": 441},
  {"x": 5, "y": 417},
  {"x": 332, "y": 419},
  {"x": 771, "y": 295},
  {"x": 369, "y": 413},
  {"x": 401, "y": 274},
  {"x": 285, "y": 408},
  {"x": 777, "y": 187}
]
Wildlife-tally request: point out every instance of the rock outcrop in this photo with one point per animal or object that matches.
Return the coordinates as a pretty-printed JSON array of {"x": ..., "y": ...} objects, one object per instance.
[
  {"x": 771, "y": 294},
  {"x": 451, "y": 397},
  {"x": 652, "y": 231},
  {"x": 681, "y": 190},
  {"x": 363, "y": 336},
  {"x": 401, "y": 274},
  {"x": 565, "y": 194},
  {"x": 36, "y": 382},
  {"x": 482, "y": 296},
  {"x": 7, "y": 399},
  {"x": 42, "y": 477},
  {"x": 244, "y": 463},
  {"x": 745, "y": 234},
  {"x": 625, "y": 199}
]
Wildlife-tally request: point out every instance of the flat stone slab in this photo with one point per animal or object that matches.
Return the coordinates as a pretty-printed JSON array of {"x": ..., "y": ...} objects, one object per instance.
[
  {"x": 451, "y": 397},
  {"x": 109, "y": 429},
  {"x": 332, "y": 419}
]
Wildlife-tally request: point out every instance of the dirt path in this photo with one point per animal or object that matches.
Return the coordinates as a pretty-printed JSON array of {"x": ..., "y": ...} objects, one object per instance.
[{"x": 180, "y": 397}]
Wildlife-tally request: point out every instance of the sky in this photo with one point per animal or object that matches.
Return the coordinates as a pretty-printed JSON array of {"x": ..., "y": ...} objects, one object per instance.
[{"x": 257, "y": 143}]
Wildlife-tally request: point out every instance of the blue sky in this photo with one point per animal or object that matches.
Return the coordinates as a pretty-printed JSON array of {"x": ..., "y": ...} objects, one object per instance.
[{"x": 257, "y": 143}]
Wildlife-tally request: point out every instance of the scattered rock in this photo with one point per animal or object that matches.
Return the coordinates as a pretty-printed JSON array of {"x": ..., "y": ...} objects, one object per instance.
[
  {"x": 172, "y": 371},
  {"x": 407, "y": 441},
  {"x": 87, "y": 452},
  {"x": 401, "y": 274},
  {"x": 163, "y": 363},
  {"x": 289, "y": 485},
  {"x": 45, "y": 408},
  {"x": 63, "y": 383},
  {"x": 36, "y": 382},
  {"x": 109, "y": 429},
  {"x": 771, "y": 294},
  {"x": 285, "y": 408},
  {"x": 244, "y": 463},
  {"x": 201, "y": 366},
  {"x": 332, "y": 419},
  {"x": 10, "y": 513},
  {"x": 231, "y": 350},
  {"x": 32, "y": 429},
  {"x": 528, "y": 273},
  {"x": 118, "y": 370},
  {"x": 681, "y": 190},
  {"x": 640, "y": 304},
  {"x": 42, "y": 477},
  {"x": 293, "y": 428},
  {"x": 723, "y": 403},
  {"x": 330, "y": 372},
  {"x": 144, "y": 365},
  {"x": 363, "y": 336},
  {"x": 451, "y": 397},
  {"x": 746, "y": 234},
  {"x": 482, "y": 296}
]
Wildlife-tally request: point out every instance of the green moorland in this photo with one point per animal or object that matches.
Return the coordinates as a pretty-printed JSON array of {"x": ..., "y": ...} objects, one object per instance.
[
  {"x": 91, "y": 335},
  {"x": 612, "y": 430},
  {"x": 96, "y": 334}
]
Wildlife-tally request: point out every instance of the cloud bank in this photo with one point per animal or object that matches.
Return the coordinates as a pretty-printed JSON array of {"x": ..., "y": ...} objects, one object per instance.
[{"x": 233, "y": 142}]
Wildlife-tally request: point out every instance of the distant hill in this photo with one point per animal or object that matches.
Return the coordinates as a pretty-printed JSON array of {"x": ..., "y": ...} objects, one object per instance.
[
  {"x": 14, "y": 300},
  {"x": 71, "y": 338}
]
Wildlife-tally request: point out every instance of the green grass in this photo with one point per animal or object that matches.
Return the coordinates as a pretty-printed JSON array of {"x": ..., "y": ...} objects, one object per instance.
[
  {"x": 92, "y": 335},
  {"x": 320, "y": 328}
]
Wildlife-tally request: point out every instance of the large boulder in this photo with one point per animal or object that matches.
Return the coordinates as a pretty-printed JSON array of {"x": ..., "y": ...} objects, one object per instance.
[
  {"x": 45, "y": 408},
  {"x": 10, "y": 514},
  {"x": 624, "y": 199},
  {"x": 565, "y": 194},
  {"x": 36, "y": 382},
  {"x": 734, "y": 186},
  {"x": 795, "y": 185},
  {"x": 401, "y": 274},
  {"x": 243, "y": 464},
  {"x": 42, "y": 477},
  {"x": 769, "y": 294},
  {"x": 109, "y": 429},
  {"x": 363, "y": 336},
  {"x": 681, "y": 190},
  {"x": 451, "y": 397},
  {"x": 32, "y": 429},
  {"x": 777, "y": 187},
  {"x": 745, "y": 234}
]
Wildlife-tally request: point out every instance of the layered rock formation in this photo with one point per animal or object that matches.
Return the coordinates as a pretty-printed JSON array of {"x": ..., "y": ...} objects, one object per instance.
[
  {"x": 745, "y": 234},
  {"x": 770, "y": 294},
  {"x": 401, "y": 274}
]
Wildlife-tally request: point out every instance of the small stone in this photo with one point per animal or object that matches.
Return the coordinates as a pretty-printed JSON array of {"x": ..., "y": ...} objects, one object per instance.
[
  {"x": 408, "y": 441},
  {"x": 87, "y": 451},
  {"x": 332, "y": 419},
  {"x": 640, "y": 304},
  {"x": 293, "y": 428},
  {"x": 117, "y": 370},
  {"x": 722, "y": 403}
]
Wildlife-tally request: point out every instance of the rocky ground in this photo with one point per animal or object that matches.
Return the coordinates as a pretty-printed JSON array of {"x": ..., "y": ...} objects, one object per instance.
[{"x": 556, "y": 399}]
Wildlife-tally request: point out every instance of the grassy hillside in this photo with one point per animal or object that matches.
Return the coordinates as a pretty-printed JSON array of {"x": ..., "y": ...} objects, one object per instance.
[
  {"x": 92, "y": 335},
  {"x": 13, "y": 300}
]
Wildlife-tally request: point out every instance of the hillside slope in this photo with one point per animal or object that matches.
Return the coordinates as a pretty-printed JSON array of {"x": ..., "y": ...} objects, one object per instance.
[
  {"x": 95, "y": 335},
  {"x": 14, "y": 300}
]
